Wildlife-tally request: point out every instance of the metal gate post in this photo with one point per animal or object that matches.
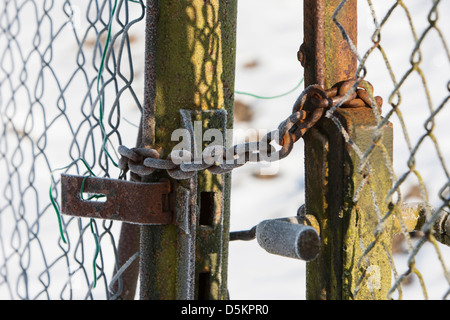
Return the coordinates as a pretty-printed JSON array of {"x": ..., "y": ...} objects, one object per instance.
[
  {"x": 194, "y": 60},
  {"x": 343, "y": 270},
  {"x": 130, "y": 239}
]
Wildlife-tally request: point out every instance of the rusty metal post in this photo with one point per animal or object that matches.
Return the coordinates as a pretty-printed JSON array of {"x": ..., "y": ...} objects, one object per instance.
[
  {"x": 193, "y": 55},
  {"x": 129, "y": 241},
  {"x": 347, "y": 227}
]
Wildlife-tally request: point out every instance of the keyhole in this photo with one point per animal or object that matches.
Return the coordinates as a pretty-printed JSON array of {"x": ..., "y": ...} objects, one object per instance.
[
  {"x": 207, "y": 208},
  {"x": 204, "y": 285}
]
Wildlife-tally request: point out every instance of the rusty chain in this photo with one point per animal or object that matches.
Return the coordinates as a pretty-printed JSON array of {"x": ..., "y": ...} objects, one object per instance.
[{"x": 307, "y": 111}]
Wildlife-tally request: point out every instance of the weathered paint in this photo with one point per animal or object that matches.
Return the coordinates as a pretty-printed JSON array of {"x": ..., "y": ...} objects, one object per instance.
[
  {"x": 196, "y": 61},
  {"x": 331, "y": 165},
  {"x": 340, "y": 62},
  {"x": 368, "y": 276},
  {"x": 347, "y": 227},
  {"x": 195, "y": 64}
]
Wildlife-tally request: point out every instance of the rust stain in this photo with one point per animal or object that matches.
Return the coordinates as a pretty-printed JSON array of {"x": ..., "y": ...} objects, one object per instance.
[{"x": 127, "y": 201}]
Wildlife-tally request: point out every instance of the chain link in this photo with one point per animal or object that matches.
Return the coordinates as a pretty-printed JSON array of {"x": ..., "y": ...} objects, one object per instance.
[{"x": 307, "y": 111}]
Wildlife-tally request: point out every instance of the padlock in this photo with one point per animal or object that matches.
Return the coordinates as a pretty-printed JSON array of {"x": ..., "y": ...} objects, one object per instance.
[{"x": 288, "y": 237}]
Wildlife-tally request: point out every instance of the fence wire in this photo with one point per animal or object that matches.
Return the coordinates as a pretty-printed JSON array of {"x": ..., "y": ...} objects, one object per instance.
[
  {"x": 71, "y": 83},
  {"x": 408, "y": 60},
  {"x": 71, "y": 76}
]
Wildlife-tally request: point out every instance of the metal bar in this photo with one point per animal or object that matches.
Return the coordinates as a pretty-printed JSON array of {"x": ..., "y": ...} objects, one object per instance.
[
  {"x": 213, "y": 221},
  {"x": 187, "y": 226},
  {"x": 324, "y": 54},
  {"x": 324, "y": 275},
  {"x": 294, "y": 237},
  {"x": 128, "y": 246},
  {"x": 193, "y": 51},
  {"x": 312, "y": 51},
  {"x": 347, "y": 226},
  {"x": 243, "y": 235},
  {"x": 129, "y": 241},
  {"x": 147, "y": 132}
]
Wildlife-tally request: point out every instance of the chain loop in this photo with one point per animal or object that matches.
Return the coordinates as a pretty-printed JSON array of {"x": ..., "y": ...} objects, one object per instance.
[{"x": 308, "y": 109}]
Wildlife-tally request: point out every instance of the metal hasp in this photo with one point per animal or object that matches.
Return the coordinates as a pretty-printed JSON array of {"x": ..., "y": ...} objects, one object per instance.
[
  {"x": 126, "y": 201},
  {"x": 346, "y": 197}
]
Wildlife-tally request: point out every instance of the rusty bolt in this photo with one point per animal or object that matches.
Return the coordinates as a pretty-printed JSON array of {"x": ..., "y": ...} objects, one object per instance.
[{"x": 301, "y": 55}]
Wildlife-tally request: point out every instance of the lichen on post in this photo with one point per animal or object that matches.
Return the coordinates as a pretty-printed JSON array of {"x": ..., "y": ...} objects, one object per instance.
[
  {"x": 347, "y": 202},
  {"x": 195, "y": 64}
]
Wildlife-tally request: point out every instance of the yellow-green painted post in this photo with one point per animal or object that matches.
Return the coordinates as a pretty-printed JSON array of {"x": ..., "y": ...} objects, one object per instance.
[
  {"x": 353, "y": 262},
  {"x": 194, "y": 49}
]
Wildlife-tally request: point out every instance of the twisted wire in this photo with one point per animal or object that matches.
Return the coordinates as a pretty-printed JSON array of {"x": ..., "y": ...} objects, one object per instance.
[
  {"x": 50, "y": 115},
  {"x": 407, "y": 128}
]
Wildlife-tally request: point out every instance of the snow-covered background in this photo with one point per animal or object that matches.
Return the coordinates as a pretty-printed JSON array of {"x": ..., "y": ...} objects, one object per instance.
[{"x": 269, "y": 34}]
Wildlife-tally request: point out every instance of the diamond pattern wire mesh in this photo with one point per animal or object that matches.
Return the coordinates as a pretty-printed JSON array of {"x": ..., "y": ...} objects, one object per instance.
[
  {"x": 55, "y": 109},
  {"x": 408, "y": 61},
  {"x": 51, "y": 84}
]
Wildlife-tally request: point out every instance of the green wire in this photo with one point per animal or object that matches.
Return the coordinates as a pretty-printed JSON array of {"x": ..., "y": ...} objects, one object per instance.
[
  {"x": 102, "y": 127},
  {"x": 57, "y": 213},
  {"x": 97, "y": 251},
  {"x": 100, "y": 71},
  {"x": 52, "y": 200},
  {"x": 95, "y": 196},
  {"x": 271, "y": 97}
]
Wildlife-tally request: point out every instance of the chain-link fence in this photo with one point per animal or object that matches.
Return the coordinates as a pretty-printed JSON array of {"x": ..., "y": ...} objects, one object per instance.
[
  {"x": 402, "y": 48},
  {"x": 71, "y": 76},
  {"x": 408, "y": 60},
  {"x": 71, "y": 87}
]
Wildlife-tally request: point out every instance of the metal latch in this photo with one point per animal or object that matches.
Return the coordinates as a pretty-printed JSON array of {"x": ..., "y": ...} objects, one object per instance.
[{"x": 127, "y": 201}]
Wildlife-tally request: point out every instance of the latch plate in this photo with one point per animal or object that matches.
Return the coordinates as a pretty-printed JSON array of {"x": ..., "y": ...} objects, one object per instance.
[{"x": 127, "y": 201}]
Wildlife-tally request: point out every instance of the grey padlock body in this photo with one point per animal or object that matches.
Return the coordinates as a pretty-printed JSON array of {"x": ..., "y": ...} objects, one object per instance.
[{"x": 289, "y": 238}]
